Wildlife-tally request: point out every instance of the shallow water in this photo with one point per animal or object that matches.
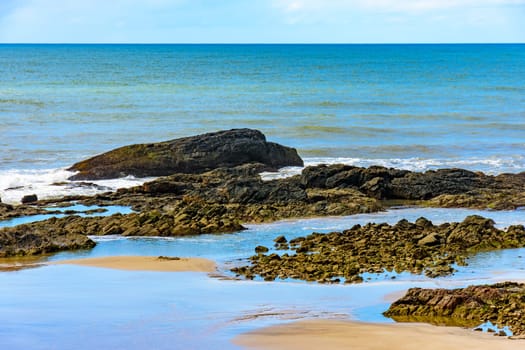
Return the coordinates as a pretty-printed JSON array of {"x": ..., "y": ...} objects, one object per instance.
[
  {"x": 63, "y": 307},
  {"x": 82, "y": 210}
]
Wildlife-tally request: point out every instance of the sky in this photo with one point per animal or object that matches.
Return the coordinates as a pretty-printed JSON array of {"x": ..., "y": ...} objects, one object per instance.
[{"x": 262, "y": 21}]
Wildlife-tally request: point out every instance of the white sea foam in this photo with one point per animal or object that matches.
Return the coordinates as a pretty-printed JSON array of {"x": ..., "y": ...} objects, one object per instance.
[
  {"x": 54, "y": 183},
  {"x": 492, "y": 166}
]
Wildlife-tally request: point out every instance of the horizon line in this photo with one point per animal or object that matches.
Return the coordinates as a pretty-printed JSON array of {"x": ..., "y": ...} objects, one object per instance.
[{"x": 261, "y": 43}]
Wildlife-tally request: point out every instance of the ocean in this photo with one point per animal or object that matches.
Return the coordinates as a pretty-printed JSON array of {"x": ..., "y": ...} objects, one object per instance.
[{"x": 415, "y": 107}]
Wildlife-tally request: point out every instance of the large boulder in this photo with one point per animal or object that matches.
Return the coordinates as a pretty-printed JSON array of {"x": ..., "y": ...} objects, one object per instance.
[{"x": 195, "y": 154}]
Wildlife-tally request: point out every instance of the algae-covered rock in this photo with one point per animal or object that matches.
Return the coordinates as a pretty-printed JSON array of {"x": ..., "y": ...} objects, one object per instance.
[
  {"x": 419, "y": 248},
  {"x": 503, "y": 304},
  {"x": 195, "y": 154},
  {"x": 8, "y": 211},
  {"x": 40, "y": 238}
]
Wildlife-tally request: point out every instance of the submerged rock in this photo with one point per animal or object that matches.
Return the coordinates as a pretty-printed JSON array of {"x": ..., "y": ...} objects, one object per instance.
[
  {"x": 420, "y": 248},
  {"x": 195, "y": 154},
  {"x": 503, "y": 304}
]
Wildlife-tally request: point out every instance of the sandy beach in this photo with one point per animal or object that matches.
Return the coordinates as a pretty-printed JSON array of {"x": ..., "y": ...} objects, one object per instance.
[
  {"x": 146, "y": 263},
  {"x": 330, "y": 334}
]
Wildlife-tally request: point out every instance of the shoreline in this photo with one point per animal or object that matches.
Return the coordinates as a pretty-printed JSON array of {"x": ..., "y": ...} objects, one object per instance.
[
  {"x": 145, "y": 263},
  {"x": 332, "y": 334}
]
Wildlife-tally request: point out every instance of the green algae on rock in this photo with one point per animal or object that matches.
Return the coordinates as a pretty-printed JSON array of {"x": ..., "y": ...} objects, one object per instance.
[
  {"x": 419, "y": 247},
  {"x": 502, "y": 304},
  {"x": 37, "y": 238},
  {"x": 195, "y": 154},
  {"x": 8, "y": 211}
]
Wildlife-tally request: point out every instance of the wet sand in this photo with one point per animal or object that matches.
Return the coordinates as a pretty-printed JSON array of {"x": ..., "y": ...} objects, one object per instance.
[
  {"x": 146, "y": 263},
  {"x": 330, "y": 334}
]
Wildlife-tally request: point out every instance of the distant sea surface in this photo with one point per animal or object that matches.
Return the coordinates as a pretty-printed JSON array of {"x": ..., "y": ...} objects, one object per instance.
[{"x": 416, "y": 107}]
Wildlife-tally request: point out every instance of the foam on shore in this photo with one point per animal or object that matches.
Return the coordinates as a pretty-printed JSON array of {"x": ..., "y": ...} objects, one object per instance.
[
  {"x": 491, "y": 166},
  {"x": 54, "y": 183}
]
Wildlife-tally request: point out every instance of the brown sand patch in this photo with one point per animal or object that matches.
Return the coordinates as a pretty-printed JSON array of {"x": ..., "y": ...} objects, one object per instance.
[
  {"x": 329, "y": 334},
  {"x": 146, "y": 263}
]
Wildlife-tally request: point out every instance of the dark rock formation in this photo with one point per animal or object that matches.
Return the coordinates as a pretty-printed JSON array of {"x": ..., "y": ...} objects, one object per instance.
[
  {"x": 36, "y": 238},
  {"x": 444, "y": 187},
  {"x": 503, "y": 304},
  {"x": 8, "y": 211},
  {"x": 30, "y": 198},
  {"x": 193, "y": 218},
  {"x": 194, "y": 154},
  {"x": 213, "y": 202},
  {"x": 243, "y": 195},
  {"x": 419, "y": 247},
  {"x": 218, "y": 201}
]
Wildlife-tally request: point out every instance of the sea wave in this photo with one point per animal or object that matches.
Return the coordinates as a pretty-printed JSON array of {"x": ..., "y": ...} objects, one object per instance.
[
  {"x": 54, "y": 183},
  {"x": 491, "y": 166}
]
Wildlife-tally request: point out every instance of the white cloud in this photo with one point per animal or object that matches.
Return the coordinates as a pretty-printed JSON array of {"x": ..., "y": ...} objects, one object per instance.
[
  {"x": 412, "y": 6},
  {"x": 260, "y": 20},
  {"x": 79, "y": 21}
]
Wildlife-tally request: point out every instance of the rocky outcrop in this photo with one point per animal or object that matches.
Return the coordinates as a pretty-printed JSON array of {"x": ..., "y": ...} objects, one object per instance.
[
  {"x": 243, "y": 195},
  {"x": 193, "y": 218},
  {"x": 8, "y": 211},
  {"x": 444, "y": 187},
  {"x": 213, "y": 202},
  {"x": 218, "y": 201},
  {"x": 419, "y": 247},
  {"x": 503, "y": 304},
  {"x": 194, "y": 154},
  {"x": 35, "y": 238}
]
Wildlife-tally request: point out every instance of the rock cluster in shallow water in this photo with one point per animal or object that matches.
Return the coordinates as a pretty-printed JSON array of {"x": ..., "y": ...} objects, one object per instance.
[
  {"x": 503, "y": 304},
  {"x": 419, "y": 247},
  {"x": 35, "y": 238},
  {"x": 213, "y": 186}
]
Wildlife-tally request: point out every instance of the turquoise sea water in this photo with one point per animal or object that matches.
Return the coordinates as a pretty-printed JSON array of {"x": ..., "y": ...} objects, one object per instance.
[
  {"x": 409, "y": 106},
  {"x": 61, "y": 103},
  {"x": 416, "y": 107}
]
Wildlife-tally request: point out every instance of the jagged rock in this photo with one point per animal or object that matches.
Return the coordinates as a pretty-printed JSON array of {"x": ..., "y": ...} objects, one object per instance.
[
  {"x": 195, "y": 154},
  {"x": 503, "y": 304},
  {"x": 261, "y": 249},
  {"x": 30, "y": 198},
  {"x": 444, "y": 187},
  {"x": 418, "y": 248},
  {"x": 8, "y": 211},
  {"x": 219, "y": 200},
  {"x": 38, "y": 238}
]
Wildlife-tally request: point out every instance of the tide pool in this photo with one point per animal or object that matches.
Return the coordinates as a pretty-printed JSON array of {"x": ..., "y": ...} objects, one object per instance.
[{"x": 65, "y": 306}]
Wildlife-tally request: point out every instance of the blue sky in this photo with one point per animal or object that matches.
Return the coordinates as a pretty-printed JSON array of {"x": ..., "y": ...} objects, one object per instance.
[{"x": 262, "y": 21}]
